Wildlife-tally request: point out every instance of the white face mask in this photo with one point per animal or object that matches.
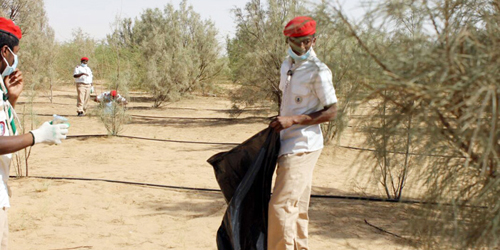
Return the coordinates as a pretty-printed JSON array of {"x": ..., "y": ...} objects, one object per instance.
[
  {"x": 297, "y": 57},
  {"x": 9, "y": 69},
  {"x": 84, "y": 65}
]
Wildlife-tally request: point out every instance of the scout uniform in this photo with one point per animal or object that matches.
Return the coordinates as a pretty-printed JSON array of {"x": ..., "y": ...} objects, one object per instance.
[
  {"x": 47, "y": 133},
  {"x": 7, "y": 128},
  {"x": 307, "y": 87},
  {"x": 83, "y": 86},
  {"x": 107, "y": 99}
]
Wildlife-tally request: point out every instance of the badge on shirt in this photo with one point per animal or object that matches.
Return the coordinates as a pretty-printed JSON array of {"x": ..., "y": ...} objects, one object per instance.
[
  {"x": 2, "y": 128},
  {"x": 298, "y": 99}
]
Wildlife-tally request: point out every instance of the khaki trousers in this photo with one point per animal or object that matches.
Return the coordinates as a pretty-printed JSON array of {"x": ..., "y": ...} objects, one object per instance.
[
  {"x": 83, "y": 91},
  {"x": 4, "y": 229},
  {"x": 288, "y": 208}
]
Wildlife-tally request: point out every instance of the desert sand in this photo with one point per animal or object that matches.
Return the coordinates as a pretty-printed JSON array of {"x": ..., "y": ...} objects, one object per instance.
[{"x": 90, "y": 213}]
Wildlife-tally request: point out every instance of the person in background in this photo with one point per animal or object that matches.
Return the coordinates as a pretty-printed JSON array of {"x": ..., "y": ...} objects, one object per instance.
[
  {"x": 308, "y": 100},
  {"x": 83, "y": 79},
  {"x": 11, "y": 86},
  {"x": 107, "y": 99}
]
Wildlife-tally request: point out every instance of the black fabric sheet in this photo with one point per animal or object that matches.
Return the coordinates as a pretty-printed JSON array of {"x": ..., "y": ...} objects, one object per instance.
[{"x": 245, "y": 175}]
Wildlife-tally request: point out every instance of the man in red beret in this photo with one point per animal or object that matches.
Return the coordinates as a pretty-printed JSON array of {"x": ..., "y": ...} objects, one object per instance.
[
  {"x": 83, "y": 79},
  {"x": 308, "y": 100},
  {"x": 108, "y": 98},
  {"x": 11, "y": 86}
]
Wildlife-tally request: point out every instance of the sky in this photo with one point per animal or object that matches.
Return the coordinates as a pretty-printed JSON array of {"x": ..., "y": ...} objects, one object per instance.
[{"x": 95, "y": 17}]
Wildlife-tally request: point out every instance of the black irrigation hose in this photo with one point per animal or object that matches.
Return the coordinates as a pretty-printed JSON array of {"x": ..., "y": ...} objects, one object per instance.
[
  {"x": 316, "y": 196},
  {"x": 152, "y": 139},
  {"x": 177, "y": 141},
  {"x": 86, "y": 136},
  {"x": 218, "y": 190},
  {"x": 375, "y": 199},
  {"x": 202, "y": 118},
  {"x": 235, "y": 144},
  {"x": 124, "y": 182},
  {"x": 402, "y": 153}
]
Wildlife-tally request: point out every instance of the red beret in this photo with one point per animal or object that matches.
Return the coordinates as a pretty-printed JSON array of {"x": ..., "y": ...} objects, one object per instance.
[
  {"x": 300, "y": 26},
  {"x": 84, "y": 59},
  {"x": 113, "y": 93},
  {"x": 7, "y": 26}
]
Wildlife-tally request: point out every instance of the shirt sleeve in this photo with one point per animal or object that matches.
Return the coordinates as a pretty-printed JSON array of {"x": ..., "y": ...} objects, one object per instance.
[
  {"x": 121, "y": 99},
  {"x": 100, "y": 97},
  {"x": 76, "y": 71},
  {"x": 323, "y": 86}
]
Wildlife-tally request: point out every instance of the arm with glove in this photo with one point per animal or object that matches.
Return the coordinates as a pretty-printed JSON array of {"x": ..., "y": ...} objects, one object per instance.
[{"x": 47, "y": 133}]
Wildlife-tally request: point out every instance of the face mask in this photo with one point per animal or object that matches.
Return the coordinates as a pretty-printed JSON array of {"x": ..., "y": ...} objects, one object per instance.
[
  {"x": 84, "y": 65},
  {"x": 297, "y": 57},
  {"x": 9, "y": 69}
]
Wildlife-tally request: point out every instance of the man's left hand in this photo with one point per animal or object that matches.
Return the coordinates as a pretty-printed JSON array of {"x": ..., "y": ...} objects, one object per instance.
[
  {"x": 14, "y": 84},
  {"x": 281, "y": 122}
]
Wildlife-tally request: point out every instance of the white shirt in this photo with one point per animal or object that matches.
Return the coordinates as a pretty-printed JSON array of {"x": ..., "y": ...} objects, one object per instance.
[
  {"x": 107, "y": 99},
  {"x": 83, "y": 79},
  {"x": 6, "y": 158},
  {"x": 310, "y": 89}
]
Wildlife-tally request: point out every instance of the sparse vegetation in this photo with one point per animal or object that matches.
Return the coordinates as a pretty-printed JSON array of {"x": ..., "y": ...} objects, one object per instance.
[
  {"x": 113, "y": 116},
  {"x": 419, "y": 80},
  {"x": 178, "y": 48},
  {"x": 435, "y": 94}
]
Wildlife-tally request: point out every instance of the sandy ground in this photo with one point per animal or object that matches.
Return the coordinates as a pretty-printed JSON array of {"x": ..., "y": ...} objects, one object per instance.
[{"x": 95, "y": 214}]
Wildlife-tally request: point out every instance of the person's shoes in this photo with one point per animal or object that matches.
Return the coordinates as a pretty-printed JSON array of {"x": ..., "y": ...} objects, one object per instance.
[{"x": 80, "y": 113}]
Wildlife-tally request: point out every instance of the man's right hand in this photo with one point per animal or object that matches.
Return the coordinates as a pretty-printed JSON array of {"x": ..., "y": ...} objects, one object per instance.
[
  {"x": 14, "y": 84},
  {"x": 79, "y": 75},
  {"x": 50, "y": 134},
  {"x": 282, "y": 122}
]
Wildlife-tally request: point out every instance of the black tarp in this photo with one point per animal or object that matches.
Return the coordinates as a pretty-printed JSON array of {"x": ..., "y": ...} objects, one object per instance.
[{"x": 245, "y": 175}]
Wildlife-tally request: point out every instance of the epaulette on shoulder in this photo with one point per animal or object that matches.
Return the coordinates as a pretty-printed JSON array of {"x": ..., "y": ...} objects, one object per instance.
[{"x": 316, "y": 62}]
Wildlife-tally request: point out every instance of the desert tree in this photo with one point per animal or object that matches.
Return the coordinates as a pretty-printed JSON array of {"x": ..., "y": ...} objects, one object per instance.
[
  {"x": 336, "y": 48},
  {"x": 113, "y": 116},
  {"x": 258, "y": 49},
  {"x": 435, "y": 98},
  {"x": 36, "y": 61},
  {"x": 173, "y": 50},
  {"x": 116, "y": 60},
  {"x": 68, "y": 54},
  {"x": 388, "y": 130},
  {"x": 38, "y": 43}
]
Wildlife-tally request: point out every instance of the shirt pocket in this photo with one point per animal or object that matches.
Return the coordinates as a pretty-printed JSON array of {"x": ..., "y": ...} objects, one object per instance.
[{"x": 300, "y": 94}]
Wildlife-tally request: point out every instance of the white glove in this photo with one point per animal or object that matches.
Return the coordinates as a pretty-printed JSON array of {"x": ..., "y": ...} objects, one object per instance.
[{"x": 50, "y": 134}]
